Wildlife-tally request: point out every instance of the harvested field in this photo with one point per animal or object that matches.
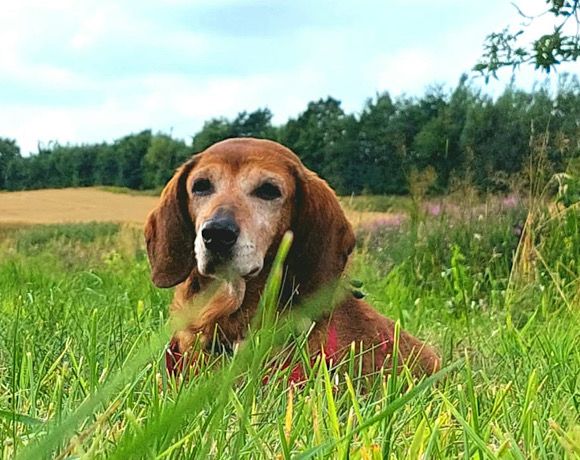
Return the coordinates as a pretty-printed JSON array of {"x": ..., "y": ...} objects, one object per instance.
[
  {"x": 73, "y": 205},
  {"x": 51, "y": 206}
]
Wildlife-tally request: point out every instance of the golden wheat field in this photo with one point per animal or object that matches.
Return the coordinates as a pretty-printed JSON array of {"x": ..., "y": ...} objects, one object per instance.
[
  {"x": 73, "y": 205},
  {"x": 90, "y": 204}
]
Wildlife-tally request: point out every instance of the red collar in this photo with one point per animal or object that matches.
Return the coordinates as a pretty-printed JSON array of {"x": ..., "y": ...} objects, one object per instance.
[{"x": 174, "y": 359}]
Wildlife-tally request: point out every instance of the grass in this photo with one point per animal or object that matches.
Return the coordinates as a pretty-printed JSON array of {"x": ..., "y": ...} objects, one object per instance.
[
  {"x": 376, "y": 203},
  {"x": 130, "y": 191},
  {"x": 82, "y": 331}
]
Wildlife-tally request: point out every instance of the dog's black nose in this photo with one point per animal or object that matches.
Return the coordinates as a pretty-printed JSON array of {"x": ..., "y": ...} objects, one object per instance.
[{"x": 220, "y": 234}]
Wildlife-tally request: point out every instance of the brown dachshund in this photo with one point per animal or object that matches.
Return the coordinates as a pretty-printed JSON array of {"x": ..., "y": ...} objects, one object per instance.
[{"x": 216, "y": 231}]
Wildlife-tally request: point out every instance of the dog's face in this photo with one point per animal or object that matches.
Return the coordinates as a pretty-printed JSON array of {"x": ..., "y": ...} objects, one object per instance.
[
  {"x": 225, "y": 211},
  {"x": 240, "y": 205}
]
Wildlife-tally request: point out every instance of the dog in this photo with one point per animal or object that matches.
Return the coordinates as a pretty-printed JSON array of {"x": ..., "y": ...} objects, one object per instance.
[{"x": 214, "y": 235}]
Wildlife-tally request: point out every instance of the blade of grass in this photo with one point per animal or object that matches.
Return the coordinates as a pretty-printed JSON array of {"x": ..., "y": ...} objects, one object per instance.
[{"x": 386, "y": 412}]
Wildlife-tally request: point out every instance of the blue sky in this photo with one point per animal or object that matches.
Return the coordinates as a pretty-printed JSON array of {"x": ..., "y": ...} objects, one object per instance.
[{"x": 92, "y": 70}]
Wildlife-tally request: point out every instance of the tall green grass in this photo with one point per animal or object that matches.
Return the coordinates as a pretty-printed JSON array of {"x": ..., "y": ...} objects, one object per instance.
[{"x": 82, "y": 332}]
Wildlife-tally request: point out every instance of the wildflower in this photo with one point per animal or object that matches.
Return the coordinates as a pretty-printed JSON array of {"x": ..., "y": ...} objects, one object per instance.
[
  {"x": 510, "y": 201},
  {"x": 434, "y": 209}
]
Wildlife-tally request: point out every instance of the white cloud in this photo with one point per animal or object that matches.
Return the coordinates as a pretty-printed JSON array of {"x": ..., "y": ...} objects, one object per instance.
[
  {"x": 406, "y": 71},
  {"x": 161, "y": 102},
  {"x": 91, "y": 29},
  {"x": 202, "y": 3}
]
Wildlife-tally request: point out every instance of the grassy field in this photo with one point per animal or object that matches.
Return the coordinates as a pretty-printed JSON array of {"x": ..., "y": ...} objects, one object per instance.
[{"x": 82, "y": 333}]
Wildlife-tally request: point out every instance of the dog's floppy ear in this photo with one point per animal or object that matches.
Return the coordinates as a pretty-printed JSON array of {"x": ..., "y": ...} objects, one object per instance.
[
  {"x": 323, "y": 237},
  {"x": 170, "y": 232}
]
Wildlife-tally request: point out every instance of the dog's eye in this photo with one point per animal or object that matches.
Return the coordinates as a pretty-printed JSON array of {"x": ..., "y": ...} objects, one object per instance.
[
  {"x": 202, "y": 187},
  {"x": 268, "y": 191}
]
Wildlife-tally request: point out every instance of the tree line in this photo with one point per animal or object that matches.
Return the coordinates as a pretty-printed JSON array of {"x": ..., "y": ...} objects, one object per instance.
[{"x": 457, "y": 136}]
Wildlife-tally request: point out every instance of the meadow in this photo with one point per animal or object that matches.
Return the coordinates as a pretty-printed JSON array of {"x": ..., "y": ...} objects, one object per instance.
[{"x": 493, "y": 284}]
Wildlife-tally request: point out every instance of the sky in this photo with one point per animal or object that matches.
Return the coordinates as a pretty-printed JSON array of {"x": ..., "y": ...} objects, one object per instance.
[{"x": 95, "y": 70}]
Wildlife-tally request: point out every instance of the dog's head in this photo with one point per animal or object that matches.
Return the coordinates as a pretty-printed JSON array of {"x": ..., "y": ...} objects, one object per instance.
[{"x": 224, "y": 212}]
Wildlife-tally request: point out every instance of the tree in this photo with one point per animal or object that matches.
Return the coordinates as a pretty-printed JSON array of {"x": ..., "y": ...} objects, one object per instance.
[
  {"x": 566, "y": 116},
  {"x": 246, "y": 124},
  {"x": 254, "y": 124},
  {"x": 17, "y": 175},
  {"x": 84, "y": 163},
  {"x": 130, "y": 151},
  {"x": 452, "y": 134},
  {"x": 380, "y": 149},
  {"x": 9, "y": 152},
  {"x": 107, "y": 166},
  {"x": 317, "y": 134},
  {"x": 163, "y": 156},
  {"x": 438, "y": 144},
  {"x": 496, "y": 137},
  {"x": 214, "y": 130},
  {"x": 502, "y": 49}
]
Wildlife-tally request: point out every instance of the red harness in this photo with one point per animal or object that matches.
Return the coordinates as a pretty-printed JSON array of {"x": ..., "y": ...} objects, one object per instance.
[{"x": 175, "y": 361}]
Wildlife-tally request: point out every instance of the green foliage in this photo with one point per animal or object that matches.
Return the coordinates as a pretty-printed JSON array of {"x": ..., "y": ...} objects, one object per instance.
[
  {"x": 381, "y": 144},
  {"x": 545, "y": 52},
  {"x": 463, "y": 136},
  {"x": 129, "y": 191},
  {"x": 81, "y": 353},
  {"x": 163, "y": 156},
  {"x": 254, "y": 124},
  {"x": 9, "y": 152},
  {"x": 569, "y": 184},
  {"x": 130, "y": 152},
  {"x": 322, "y": 136}
]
